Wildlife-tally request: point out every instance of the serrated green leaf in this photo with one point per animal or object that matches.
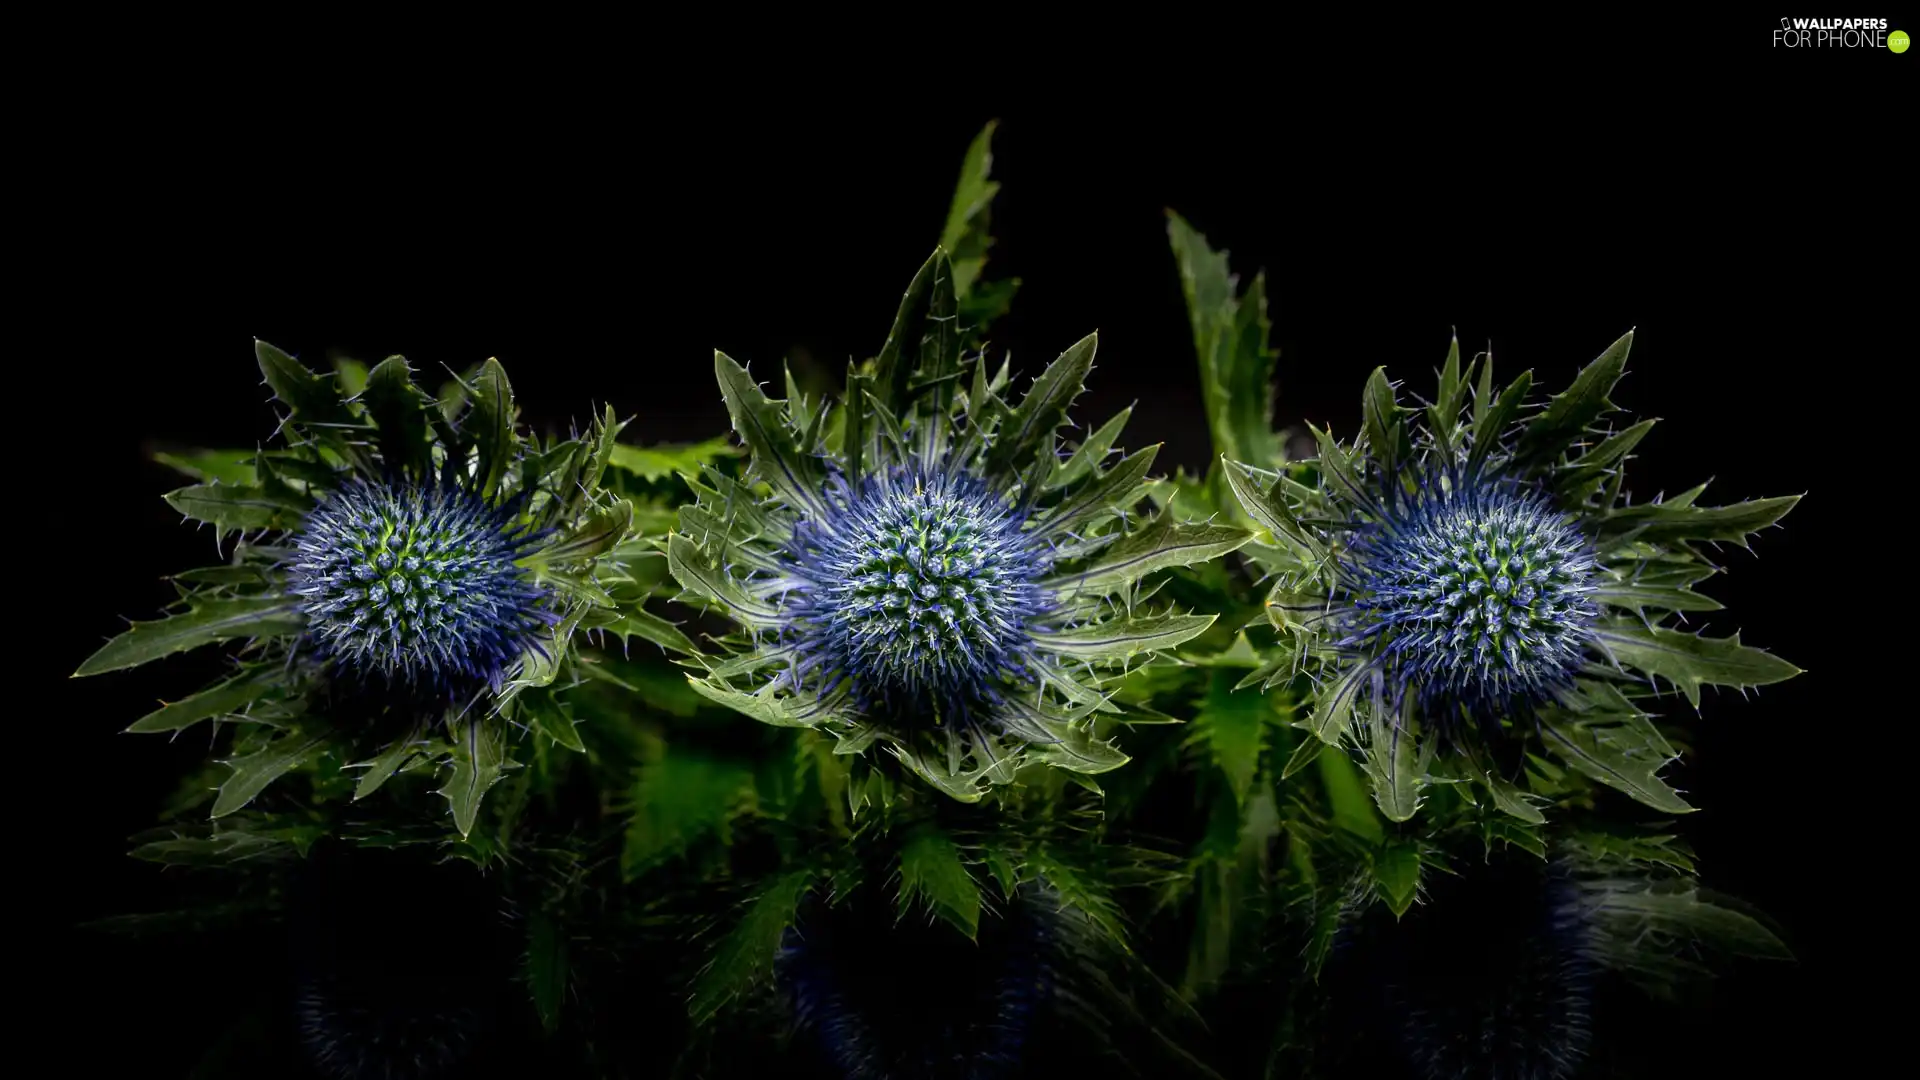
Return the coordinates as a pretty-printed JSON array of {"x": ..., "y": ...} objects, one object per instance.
[
  {"x": 1305, "y": 753},
  {"x": 312, "y": 399},
  {"x": 246, "y": 575},
  {"x": 479, "y": 759},
  {"x": 398, "y": 409},
  {"x": 595, "y": 536},
  {"x": 1634, "y": 596},
  {"x": 550, "y": 718},
  {"x": 1570, "y": 413},
  {"x": 1075, "y": 749},
  {"x": 1230, "y": 339},
  {"x": 1381, "y": 419},
  {"x": 1688, "y": 660},
  {"x": 1617, "y": 758},
  {"x": 389, "y": 761},
  {"x": 601, "y": 442},
  {"x": 491, "y": 424},
  {"x": 1044, "y": 408},
  {"x": 231, "y": 508},
  {"x": 214, "y": 466},
  {"x": 1583, "y": 475},
  {"x": 1511, "y": 800},
  {"x": 780, "y": 711},
  {"x": 1249, "y": 377},
  {"x": 1631, "y": 848},
  {"x": 1164, "y": 543},
  {"x": 1115, "y": 489},
  {"x": 228, "y": 697},
  {"x": 1443, "y": 416},
  {"x": 1236, "y": 726},
  {"x": 901, "y": 357},
  {"x": 253, "y": 772},
  {"x": 1512, "y": 833},
  {"x": 746, "y": 954},
  {"x": 931, "y": 872},
  {"x": 630, "y": 622},
  {"x": 946, "y": 775},
  {"x": 679, "y": 798},
  {"x": 1119, "y": 638},
  {"x": 1091, "y": 453},
  {"x": 966, "y": 236},
  {"x": 1396, "y": 870},
  {"x": 1490, "y": 422},
  {"x": 1331, "y": 714},
  {"x": 1339, "y": 469},
  {"x": 1082, "y": 891},
  {"x": 225, "y": 845},
  {"x": 1396, "y": 762},
  {"x": 778, "y": 457},
  {"x": 540, "y": 663},
  {"x": 1267, "y": 508},
  {"x": 206, "y": 622},
  {"x": 1000, "y": 865},
  {"x": 1657, "y": 935},
  {"x": 1351, "y": 808},
  {"x": 1671, "y": 521},
  {"x": 697, "y": 574}
]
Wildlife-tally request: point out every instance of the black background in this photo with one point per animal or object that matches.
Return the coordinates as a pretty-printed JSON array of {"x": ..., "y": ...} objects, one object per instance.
[{"x": 603, "y": 242}]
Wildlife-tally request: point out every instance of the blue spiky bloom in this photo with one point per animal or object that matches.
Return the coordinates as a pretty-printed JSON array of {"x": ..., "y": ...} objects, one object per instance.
[
  {"x": 404, "y": 559},
  {"x": 1472, "y": 580},
  {"x": 917, "y": 589},
  {"x": 1472, "y": 592},
  {"x": 919, "y": 566},
  {"x": 923, "y": 565},
  {"x": 416, "y": 584}
]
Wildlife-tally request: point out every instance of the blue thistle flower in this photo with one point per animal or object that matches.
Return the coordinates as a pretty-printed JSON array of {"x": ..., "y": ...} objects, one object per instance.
[
  {"x": 919, "y": 588},
  {"x": 417, "y": 584},
  {"x": 919, "y": 566},
  {"x": 1459, "y": 586},
  {"x": 1471, "y": 592},
  {"x": 400, "y": 557}
]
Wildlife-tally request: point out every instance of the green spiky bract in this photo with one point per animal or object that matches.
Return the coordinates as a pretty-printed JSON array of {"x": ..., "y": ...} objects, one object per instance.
[
  {"x": 1576, "y": 673},
  {"x": 407, "y": 578},
  {"x": 968, "y": 654},
  {"x": 1207, "y": 910}
]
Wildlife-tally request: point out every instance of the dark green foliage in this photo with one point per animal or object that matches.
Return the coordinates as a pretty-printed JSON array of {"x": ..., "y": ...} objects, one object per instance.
[{"x": 1207, "y": 848}]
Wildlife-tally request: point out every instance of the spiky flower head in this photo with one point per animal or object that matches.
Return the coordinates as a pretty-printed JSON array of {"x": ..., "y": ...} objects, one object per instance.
[
  {"x": 919, "y": 588},
  {"x": 404, "y": 563},
  {"x": 919, "y": 565},
  {"x": 1473, "y": 593},
  {"x": 1471, "y": 579},
  {"x": 418, "y": 584}
]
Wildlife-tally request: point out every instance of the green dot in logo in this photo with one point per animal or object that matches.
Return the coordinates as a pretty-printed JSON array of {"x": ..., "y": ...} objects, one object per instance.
[{"x": 1897, "y": 41}]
